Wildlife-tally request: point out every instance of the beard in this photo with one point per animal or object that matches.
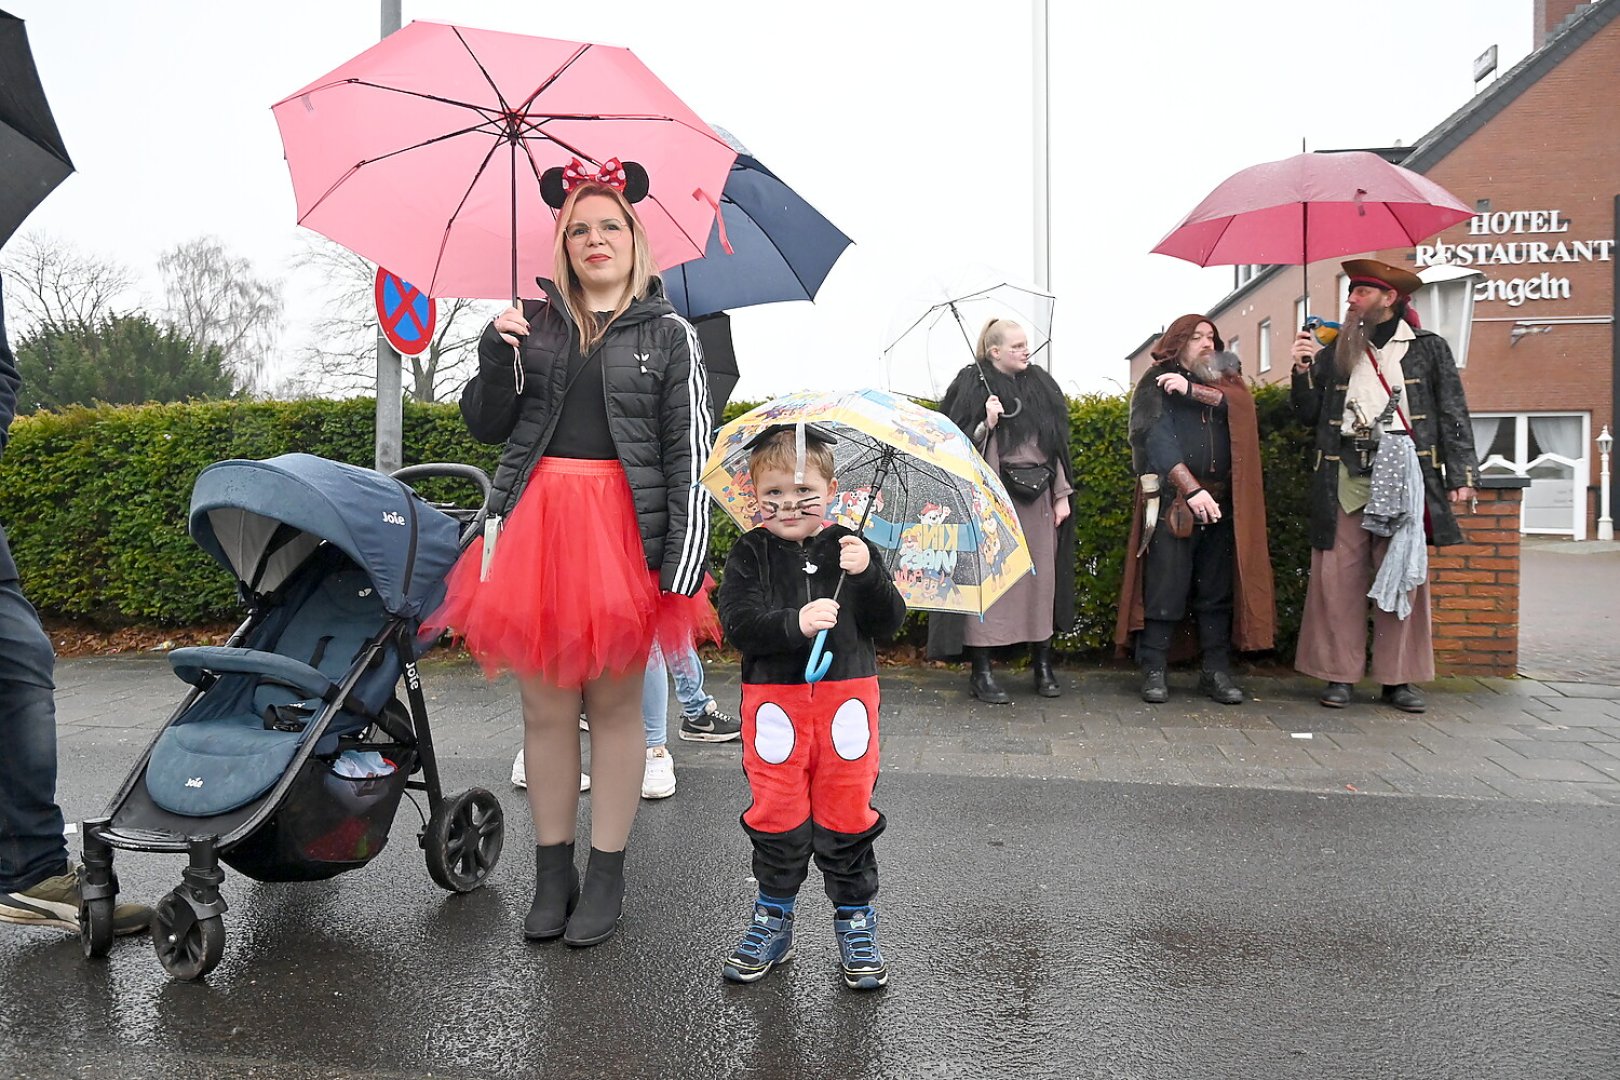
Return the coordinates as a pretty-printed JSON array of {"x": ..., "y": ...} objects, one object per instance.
[
  {"x": 1204, "y": 368},
  {"x": 1351, "y": 345}
]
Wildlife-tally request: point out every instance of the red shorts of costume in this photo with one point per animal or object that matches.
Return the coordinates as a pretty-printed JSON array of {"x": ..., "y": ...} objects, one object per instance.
[
  {"x": 811, "y": 755},
  {"x": 568, "y": 596}
]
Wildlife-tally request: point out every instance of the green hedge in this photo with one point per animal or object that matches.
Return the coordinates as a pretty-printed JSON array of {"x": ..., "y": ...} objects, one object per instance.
[{"x": 95, "y": 500}]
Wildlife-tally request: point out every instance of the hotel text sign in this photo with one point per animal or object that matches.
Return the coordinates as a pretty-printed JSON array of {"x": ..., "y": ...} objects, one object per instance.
[{"x": 1496, "y": 249}]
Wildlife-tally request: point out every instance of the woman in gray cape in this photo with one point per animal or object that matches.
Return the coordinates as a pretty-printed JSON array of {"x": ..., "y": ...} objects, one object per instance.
[{"x": 1018, "y": 419}]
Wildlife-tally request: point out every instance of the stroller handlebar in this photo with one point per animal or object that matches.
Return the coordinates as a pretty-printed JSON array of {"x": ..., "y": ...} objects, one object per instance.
[
  {"x": 444, "y": 468},
  {"x": 470, "y": 519}
]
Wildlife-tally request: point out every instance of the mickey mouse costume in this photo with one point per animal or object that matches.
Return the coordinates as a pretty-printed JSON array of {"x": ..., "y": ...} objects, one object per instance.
[{"x": 810, "y": 750}]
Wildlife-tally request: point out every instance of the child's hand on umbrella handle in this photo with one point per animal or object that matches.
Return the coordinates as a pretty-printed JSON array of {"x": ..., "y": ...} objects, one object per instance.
[
  {"x": 853, "y": 557},
  {"x": 818, "y": 615},
  {"x": 992, "y": 411},
  {"x": 511, "y": 325}
]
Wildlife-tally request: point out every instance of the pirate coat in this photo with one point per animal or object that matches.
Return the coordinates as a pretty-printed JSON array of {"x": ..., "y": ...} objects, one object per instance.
[{"x": 1433, "y": 403}]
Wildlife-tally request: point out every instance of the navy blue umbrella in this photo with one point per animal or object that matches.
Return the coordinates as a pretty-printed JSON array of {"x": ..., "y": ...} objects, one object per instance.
[
  {"x": 782, "y": 248},
  {"x": 32, "y": 158}
]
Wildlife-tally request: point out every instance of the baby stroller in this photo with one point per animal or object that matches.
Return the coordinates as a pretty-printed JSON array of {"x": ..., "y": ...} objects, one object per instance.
[{"x": 288, "y": 757}]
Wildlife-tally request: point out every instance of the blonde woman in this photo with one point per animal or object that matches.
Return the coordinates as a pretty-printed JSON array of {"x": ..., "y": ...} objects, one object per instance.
[{"x": 600, "y": 397}]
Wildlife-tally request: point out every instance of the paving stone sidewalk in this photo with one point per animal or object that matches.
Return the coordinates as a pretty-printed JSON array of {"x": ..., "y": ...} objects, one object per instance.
[{"x": 1517, "y": 739}]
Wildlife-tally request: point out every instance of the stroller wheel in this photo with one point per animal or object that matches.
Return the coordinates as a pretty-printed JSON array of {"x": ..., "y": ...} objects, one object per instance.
[
  {"x": 463, "y": 840},
  {"x": 96, "y": 926},
  {"x": 187, "y": 947}
]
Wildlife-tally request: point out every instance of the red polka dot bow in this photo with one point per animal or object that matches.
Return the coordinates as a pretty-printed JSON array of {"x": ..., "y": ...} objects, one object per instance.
[{"x": 611, "y": 174}]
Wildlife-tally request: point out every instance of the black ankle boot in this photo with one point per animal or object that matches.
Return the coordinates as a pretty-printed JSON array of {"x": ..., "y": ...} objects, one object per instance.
[
  {"x": 1040, "y": 661},
  {"x": 601, "y": 899},
  {"x": 556, "y": 891},
  {"x": 982, "y": 682},
  {"x": 1155, "y": 687}
]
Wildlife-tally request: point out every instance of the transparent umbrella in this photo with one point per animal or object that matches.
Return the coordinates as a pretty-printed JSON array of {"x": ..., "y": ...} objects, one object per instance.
[{"x": 933, "y": 337}]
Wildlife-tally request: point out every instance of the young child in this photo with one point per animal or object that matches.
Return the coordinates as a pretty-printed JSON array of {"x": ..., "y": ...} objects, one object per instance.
[{"x": 810, "y": 750}]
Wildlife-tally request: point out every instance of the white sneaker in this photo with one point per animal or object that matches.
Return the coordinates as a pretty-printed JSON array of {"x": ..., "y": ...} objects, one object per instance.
[
  {"x": 520, "y": 778},
  {"x": 658, "y": 778}
]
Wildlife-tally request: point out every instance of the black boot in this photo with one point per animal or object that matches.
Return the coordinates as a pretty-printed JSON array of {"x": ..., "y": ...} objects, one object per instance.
[
  {"x": 601, "y": 899},
  {"x": 1040, "y": 661},
  {"x": 982, "y": 682},
  {"x": 1219, "y": 687},
  {"x": 1155, "y": 687},
  {"x": 556, "y": 891}
]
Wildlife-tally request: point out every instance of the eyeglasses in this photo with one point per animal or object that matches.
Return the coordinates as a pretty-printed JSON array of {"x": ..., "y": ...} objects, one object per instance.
[{"x": 580, "y": 230}]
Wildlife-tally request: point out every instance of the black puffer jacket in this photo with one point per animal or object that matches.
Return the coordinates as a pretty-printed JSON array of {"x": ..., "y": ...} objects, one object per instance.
[
  {"x": 658, "y": 416},
  {"x": 1433, "y": 403}
]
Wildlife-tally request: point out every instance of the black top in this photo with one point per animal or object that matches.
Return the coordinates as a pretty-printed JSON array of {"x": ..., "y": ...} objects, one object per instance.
[
  {"x": 765, "y": 585},
  {"x": 582, "y": 426},
  {"x": 1188, "y": 432}
]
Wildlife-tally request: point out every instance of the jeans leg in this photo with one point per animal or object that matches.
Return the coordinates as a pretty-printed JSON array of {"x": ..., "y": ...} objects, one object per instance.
[
  {"x": 687, "y": 667},
  {"x": 655, "y": 699},
  {"x": 32, "y": 846}
]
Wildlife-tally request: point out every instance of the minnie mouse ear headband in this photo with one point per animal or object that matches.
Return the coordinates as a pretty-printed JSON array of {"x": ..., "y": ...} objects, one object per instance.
[
  {"x": 802, "y": 434},
  {"x": 627, "y": 178}
]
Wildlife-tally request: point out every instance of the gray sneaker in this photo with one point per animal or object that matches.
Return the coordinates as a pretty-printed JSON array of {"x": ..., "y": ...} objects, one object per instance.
[
  {"x": 55, "y": 902},
  {"x": 710, "y": 725}
]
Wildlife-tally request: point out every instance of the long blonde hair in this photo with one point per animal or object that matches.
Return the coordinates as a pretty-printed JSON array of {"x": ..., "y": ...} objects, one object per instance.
[{"x": 642, "y": 267}]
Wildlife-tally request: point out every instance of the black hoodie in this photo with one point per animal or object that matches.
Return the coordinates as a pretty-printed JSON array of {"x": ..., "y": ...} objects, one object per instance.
[{"x": 766, "y": 583}]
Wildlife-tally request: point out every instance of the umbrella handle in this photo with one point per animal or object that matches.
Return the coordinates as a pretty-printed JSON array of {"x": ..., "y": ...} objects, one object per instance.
[{"x": 816, "y": 668}]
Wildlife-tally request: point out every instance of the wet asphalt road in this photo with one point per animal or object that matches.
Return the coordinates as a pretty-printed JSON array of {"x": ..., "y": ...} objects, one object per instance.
[{"x": 1058, "y": 928}]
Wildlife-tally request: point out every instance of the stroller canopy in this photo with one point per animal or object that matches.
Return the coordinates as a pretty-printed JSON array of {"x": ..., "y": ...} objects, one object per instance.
[{"x": 262, "y": 519}]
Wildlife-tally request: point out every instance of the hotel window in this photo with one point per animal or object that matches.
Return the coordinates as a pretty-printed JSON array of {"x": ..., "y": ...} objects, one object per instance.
[
  {"x": 1232, "y": 347},
  {"x": 1245, "y": 273},
  {"x": 1550, "y": 449},
  {"x": 1265, "y": 346}
]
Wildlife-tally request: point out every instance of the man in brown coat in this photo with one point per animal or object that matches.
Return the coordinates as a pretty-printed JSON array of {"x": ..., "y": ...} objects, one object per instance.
[{"x": 1198, "y": 539}]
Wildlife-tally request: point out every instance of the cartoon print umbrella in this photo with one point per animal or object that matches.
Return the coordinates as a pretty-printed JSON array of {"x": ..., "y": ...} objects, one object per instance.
[
  {"x": 424, "y": 153},
  {"x": 947, "y": 529}
]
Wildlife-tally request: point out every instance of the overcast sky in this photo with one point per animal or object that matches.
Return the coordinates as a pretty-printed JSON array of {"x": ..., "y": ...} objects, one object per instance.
[{"x": 907, "y": 122}]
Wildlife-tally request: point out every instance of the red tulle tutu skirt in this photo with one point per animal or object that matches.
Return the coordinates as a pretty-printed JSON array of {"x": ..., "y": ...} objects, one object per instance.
[{"x": 569, "y": 596}]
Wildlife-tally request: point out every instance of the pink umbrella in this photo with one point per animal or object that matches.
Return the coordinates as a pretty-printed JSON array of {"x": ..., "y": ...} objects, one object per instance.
[
  {"x": 1310, "y": 207},
  {"x": 424, "y": 153}
]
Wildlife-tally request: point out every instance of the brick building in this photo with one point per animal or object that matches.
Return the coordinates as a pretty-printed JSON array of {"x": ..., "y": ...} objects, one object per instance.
[{"x": 1537, "y": 153}]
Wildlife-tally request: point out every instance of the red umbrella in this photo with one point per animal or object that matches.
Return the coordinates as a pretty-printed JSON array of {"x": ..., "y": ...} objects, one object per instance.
[
  {"x": 424, "y": 153},
  {"x": 1310, "y": 207}
]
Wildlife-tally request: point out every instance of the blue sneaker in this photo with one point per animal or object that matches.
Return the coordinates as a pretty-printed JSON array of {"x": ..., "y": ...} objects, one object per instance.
[
  {"x": 858, "y": 954},
  {"x": 768, "y": 942}
]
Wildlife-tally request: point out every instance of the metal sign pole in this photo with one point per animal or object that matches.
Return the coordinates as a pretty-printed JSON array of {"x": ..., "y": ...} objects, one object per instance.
[{"x": 390, "y": 366}]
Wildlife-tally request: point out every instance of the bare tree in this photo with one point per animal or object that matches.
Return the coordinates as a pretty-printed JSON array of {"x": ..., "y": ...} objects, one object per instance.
[
  {"x": 215, "y": 298},
  {"x": 342, "y": 356},
  {"x": 53, "y": 287}
]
